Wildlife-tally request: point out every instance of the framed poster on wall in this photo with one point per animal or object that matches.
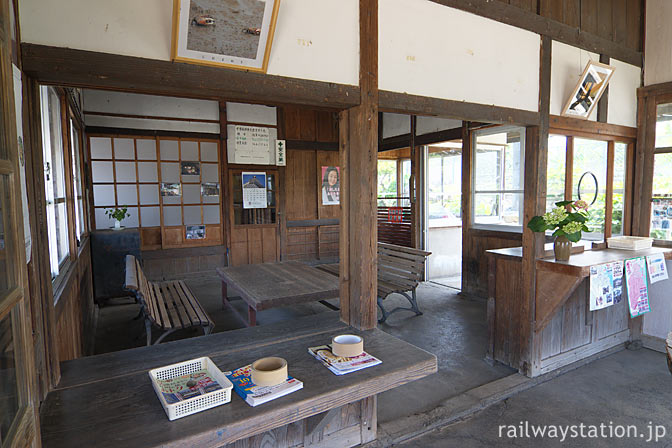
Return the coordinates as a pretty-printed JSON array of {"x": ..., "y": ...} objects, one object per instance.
[
  {"x": 226, "y": 33},
  {"x": 588, "y": 91}
]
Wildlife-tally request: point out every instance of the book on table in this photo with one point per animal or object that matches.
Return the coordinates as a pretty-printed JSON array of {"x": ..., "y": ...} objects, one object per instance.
[
  {"x": 255, "y": 395},
  {"x": 340, "y": 365}
]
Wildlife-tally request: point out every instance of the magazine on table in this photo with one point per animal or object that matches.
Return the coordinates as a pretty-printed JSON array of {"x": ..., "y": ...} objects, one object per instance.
[
  {"x": 255, "y": 395},
  {"x": 187, "y": 386},
  {"x": 340, "y": 365}
]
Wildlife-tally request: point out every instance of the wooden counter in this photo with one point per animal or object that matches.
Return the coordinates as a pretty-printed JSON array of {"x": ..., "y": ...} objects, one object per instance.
[
  {"x": 108, "y": 400},
  {"x": 564, "y": 329}
]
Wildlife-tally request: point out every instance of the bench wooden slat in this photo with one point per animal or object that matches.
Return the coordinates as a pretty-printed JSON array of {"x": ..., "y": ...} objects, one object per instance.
[
  {"x": 200, "y": 312},
  {"x": 187, "y": 302},
  {"x": 175, "y": 307}
]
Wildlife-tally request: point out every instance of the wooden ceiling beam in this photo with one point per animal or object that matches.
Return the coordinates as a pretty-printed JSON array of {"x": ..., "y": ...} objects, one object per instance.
[
  {"x": 520, "y": 18},
  {"x": 88, "y": 69}
]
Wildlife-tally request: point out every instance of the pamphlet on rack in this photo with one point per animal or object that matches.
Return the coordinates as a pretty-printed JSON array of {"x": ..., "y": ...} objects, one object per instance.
[
  {"x": 187, "y": 386},
  {"x": 340, "y": 365},
  {"x": 601, "y": 286},
  {"x": 255, "y": 395}
]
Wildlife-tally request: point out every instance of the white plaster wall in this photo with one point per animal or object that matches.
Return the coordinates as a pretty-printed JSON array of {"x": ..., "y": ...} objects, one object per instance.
[
  {"x": 658, "y": 322},
  {"x": 432, "y": 50},
  {"x": 152, "y": 106},
  {"x": 315, "y": 39},
  {"x": 567, "y": 65},
  {"x": 396, "y": 124},
  {"x": 427, "y": 125},
  {"x": 658, "y": 45},
  {"x": 623, "y": 93}
]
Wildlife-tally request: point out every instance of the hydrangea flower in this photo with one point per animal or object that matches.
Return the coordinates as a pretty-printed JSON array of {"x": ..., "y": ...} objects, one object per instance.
[
  {"x": 555, "y": 216},
  {"x": 581, "y": 205},
  {"x": 572, "y": 227}
]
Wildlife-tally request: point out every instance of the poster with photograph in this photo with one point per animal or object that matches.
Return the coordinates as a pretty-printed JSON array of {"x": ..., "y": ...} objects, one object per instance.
[
  {"x": 227, "y": 33},
  {"x": 661, "y": 217},
  {"x": 636, "y": 286},
  {"x": 195, "y": 232},
  {"x": 656, "y": 267},
  {"x": 331, "y": 185},
  {"x": 209, "y": 189},
  {"x": 168, "y": 189},
  {"x": 190, "y": 168},
  {"x": 588, "y": 91},
  {"x": 601, "y": 286},
  {"x": 254, "y": 190}
]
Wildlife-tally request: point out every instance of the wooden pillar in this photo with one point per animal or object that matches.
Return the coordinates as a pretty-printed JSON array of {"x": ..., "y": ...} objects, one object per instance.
[
  {"x": 536, "y": 157},
  {"x": 358, "y": 149},
  {"x": 414, "y": 189},
  {"x": 466, "y": 202}
]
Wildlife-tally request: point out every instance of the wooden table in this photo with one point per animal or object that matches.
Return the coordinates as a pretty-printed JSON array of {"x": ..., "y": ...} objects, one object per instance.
[
  {"x": 107, "y": 400},
  {"x": 272, "y": 285}
]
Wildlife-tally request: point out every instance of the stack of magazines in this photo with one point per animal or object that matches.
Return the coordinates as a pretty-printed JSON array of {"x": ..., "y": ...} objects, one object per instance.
[
  {"x": 340, "y": 365},
  {"x": 255, "y": 395}
]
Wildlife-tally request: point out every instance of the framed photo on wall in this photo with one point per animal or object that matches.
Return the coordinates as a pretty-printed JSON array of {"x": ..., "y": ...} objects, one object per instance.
[
  {"x": 588, "y": 91},
  {"x": 225, "y": 33}
]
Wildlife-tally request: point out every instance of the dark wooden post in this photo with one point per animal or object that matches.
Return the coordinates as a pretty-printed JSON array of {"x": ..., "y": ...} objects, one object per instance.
[
  {"x": 536, "y": 157},
  {"x": 358, "y": 158}
]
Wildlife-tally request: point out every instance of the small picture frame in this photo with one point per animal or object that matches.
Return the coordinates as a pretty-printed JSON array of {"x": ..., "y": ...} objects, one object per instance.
[
  {"x": 588, "y": 90},
  {"x": 209, "y": 189},
  {"x": 225, "y": 33},
  {"x": 170, "y": 189},
  {"x": 195, "y": 232},
  {"x": 190, "y": 168}
]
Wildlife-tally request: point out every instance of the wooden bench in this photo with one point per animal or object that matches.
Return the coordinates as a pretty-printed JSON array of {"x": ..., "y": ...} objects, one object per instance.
[
  {"x": 400, "y": 270},
  {"x": 169, "y": 305}
]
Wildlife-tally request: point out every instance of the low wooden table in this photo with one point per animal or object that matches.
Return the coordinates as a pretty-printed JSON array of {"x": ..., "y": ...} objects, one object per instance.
[
  {"x": 272, "y": 285},
  {"x": 108, "y": 401}
]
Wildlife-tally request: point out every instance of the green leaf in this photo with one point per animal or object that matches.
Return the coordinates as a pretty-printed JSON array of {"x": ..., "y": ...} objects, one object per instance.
[
  {"x": 559, "y": 232},
  {"x": 563, "y": 203},
  {"x": 574, "y": 237},
  {"x": 578, "y": 217},
  {"x": 537, "y": 224}
]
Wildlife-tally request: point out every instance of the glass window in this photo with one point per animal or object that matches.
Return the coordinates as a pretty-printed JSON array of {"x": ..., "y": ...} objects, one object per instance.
[
  {"x": 555, "y": 172},
  {"x": 54, "y": 172},
  {"x": 444, "y": 188},
  {"x": 590, "y": 171},
  {"x": 498, "y": 170},
  {"x": 664, "y": 126},
  {"x": 77, "y": 181},
  {"x": 620, "y": 161},
  {"x": 387, "y": 183},
  {"x": 245, "y": 216},
  {"x": 406, "y": 182},
  {"x": 661, "y": 206}
]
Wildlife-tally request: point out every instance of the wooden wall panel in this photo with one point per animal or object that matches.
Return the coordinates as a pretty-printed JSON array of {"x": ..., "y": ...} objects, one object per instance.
[
  {"x": 239, "y": 254},
  {"x": 300, "y": 186},
  {"x": 328, "y": 242},
  {"x": 476, "y": 242},
  {"x": 269, "y": 244},
  {"x": 302, "y": 243},
  {"x": 327, "y": 126}
]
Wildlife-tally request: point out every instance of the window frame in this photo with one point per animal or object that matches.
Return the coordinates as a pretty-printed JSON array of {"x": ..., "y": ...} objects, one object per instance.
[
  {"x": 491, "y": 130},
  {"x": 611, "y": 139}
]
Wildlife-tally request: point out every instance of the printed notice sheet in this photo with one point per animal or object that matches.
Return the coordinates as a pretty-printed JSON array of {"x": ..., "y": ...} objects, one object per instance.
[
  {"x": 254, "y": 190},
  {"x": 635, "y": 285},
  {"x": 617, "y": 273},
  {"x": 657, "y": 268},
  {"x": 601, "y": 286},
  {"x": 252, "y": 145}
]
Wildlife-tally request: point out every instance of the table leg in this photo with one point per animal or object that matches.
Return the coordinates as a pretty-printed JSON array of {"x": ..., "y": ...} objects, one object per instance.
[
  {"x": 251, "y": 316},
  {"x": 225, "y": 301}
]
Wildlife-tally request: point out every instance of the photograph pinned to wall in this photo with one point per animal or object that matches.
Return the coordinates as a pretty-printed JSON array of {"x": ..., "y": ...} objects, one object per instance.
[
  {"x": 209, "y": 189},
  {"x": 588, "y": 91},
  {"x": 195, "y": 232},
  {"x": 190, "y": 168},
  {"x": 225, "y": 33},
  {"x": 254, "y": 190},
  {"x": 331, "y": 185},
  {"x": 636, "y": 286},
  {"x": 168, "y": 189},
  {"x": 656, "y": 267}
]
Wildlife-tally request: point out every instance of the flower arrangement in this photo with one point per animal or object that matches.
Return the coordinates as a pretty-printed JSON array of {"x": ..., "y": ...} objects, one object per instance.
[
  {"x": 118, "y": 214},
  {"x": 567, "y": 219}
]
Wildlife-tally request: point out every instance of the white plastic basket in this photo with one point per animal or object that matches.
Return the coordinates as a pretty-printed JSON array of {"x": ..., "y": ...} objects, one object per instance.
[
  {"x": 196, "y": 404},
  {"x": 629, "y": 242}
]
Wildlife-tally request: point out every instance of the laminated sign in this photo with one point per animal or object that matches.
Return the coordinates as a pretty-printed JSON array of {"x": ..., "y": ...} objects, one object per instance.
[{"x": 395, "y": 214}]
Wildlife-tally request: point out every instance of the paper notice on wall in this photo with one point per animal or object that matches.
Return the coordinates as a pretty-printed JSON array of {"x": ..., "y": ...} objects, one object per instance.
[
  {"x": 254, "y": 190},
  {"x": 617, "y": 275},
  {"x": 635, "y": 285},
  {"x": 18, "y": 105},
  {"x": 252, "y": 145},
  {"x": 656, "y": 267},
  {"x": 601, "y": 286}
]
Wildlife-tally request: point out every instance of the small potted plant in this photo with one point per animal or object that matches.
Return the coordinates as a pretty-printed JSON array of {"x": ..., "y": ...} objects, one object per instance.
[
  {"x": 118, "y": 214},
  {"x": 567, "y": 220}
]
